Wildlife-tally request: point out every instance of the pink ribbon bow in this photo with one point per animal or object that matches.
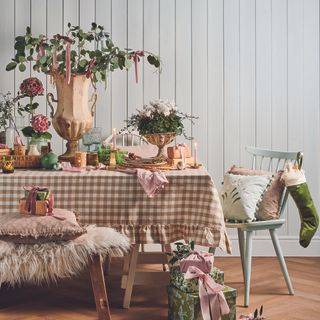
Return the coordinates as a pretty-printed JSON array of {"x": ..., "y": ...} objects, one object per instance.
[
  {"x": 212, "y": 301},
  {"x": 201, "y": 260},
  {"x": 136, "y": 58}
]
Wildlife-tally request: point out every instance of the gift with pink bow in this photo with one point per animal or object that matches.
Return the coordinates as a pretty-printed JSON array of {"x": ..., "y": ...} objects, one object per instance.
[
  {"x": 37, "y": 201},
  {"x": 199, "y": 259}
]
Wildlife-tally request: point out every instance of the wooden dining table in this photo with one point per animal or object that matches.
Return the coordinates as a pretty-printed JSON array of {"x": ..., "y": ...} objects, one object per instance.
[{"x": 188, "y": 208}]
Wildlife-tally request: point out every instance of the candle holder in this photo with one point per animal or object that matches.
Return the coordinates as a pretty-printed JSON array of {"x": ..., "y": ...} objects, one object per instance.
[
  {"x": 80, "y": 159},
  {"x": 7, "y": 165},
  {"x": 93, "y": 159},
  {"x": 112, "y": 161},
  {"x": 196, "y": 166}
]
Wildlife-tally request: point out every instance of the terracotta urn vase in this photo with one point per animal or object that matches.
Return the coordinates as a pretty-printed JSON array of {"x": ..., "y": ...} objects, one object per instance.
[{"x": 73, "y": 116}]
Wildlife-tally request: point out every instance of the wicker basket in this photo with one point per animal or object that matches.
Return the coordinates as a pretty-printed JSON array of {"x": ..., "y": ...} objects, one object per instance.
[{"x": 26, "y": 161}]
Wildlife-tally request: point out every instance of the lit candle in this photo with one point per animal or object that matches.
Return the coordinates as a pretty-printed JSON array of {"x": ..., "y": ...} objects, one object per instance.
[
  {"x": 195, "y": 153},
  {"x": 183, "y": 155},
  {"x": 80, "y": 159},
  {"x": 114, "y": 134}
]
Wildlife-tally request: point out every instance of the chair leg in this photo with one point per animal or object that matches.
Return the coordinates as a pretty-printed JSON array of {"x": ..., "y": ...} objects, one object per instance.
[
  {"x": 282, "y": 262},
  {"x": 131, "y": 275},
  {"x": 99, "y": 288},
  {"x": 247, "y": 266},
  {"x": 241, "y": 241}
]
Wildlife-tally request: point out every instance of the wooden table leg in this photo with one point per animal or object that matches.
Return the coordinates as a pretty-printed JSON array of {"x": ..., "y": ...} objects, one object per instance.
[
  {"x": 99, "y": 288},
  {"x": 131, "y": 275}
]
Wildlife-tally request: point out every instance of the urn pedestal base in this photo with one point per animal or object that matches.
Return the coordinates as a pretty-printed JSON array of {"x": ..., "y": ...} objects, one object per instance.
[{"x": 68, "y": 156}]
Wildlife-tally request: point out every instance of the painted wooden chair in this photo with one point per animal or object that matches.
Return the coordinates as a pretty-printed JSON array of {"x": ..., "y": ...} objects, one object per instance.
[
  {"x": 271, "y": 161},
  {"x": 127, "y": 139}
]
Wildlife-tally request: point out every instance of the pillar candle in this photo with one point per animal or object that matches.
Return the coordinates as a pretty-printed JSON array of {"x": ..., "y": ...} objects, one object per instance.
[{"x": 80, "y": 159}]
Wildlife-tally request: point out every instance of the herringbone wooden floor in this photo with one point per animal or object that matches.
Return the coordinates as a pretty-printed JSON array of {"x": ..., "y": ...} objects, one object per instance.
[{"x": 73, "y": 300}]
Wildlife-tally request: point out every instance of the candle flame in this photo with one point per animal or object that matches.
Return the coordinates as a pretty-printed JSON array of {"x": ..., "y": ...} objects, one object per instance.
[
  {"x": 195, "y": 145},
  {"x": 114, "y": 130}
]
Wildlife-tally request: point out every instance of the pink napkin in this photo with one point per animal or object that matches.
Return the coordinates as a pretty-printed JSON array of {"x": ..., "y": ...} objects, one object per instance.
[
  {"x": 152, "y": 182},
  {"x": 66, "y": 166}
]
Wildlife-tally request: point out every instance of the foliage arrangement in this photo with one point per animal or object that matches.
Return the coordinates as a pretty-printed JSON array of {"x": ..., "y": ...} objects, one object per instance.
[
  {"x": 159, "y": 116},
  {"x": 182, "y": 251},
  {"x": 70, "y": 54},
  {"x": 257, "y": 315},
  {"x": 104, "y": 155},
  {"x": 6, "y": 110}
]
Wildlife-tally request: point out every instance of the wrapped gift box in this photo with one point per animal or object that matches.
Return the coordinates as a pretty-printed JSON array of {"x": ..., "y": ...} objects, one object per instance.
[
  {"x": 175, "y": 153},
  {"x": 42, "y": 207},
  {"x": 186, "y": 306},
  {"x": 191, "y": 285}
]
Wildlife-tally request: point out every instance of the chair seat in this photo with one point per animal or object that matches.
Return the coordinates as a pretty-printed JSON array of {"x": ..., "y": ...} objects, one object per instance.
[{"x": 257, "y": 225}]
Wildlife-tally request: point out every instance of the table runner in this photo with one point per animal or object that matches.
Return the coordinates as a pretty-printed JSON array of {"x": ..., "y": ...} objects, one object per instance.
[{"x": 188, "y": 208}]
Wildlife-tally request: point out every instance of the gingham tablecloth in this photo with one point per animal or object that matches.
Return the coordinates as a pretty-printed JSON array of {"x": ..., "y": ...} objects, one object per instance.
[{"x": 188, "y": 207}]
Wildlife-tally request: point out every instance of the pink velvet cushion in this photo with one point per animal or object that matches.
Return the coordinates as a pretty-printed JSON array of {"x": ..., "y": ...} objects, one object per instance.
[
  {"x": 270, "y": 203},
  {"x": 34, "y": 229}
]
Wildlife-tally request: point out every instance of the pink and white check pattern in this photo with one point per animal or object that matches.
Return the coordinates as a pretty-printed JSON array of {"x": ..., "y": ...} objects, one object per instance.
[{"x": 188, "y": 207}]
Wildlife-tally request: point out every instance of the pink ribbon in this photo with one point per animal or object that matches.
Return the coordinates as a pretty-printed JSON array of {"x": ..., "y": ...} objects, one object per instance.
[
  {"x": 201, "y": 260},
  {"x": 136, "y": 59},
  {"x": 212, "y": 301},
  {"x": 68, "y": 62},
  {"x": 18, "y": 141},
  {"x": 54, "y": 60}
]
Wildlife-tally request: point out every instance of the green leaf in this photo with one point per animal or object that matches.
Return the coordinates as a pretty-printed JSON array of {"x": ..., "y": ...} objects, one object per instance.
[
  {"x": 43, "y": 59},
  {"x": 20, "y": 39},
  {"x": 28, "y": 30},
  {"x": 22, "y": 67},
  {"x": 28, "y": 131},
  {"x": 10, "y": 66},
  {"x": 83, "y": 63},
  {"x": 98, "y": 76},
  {"x": 46, "y": 135},
  {"x": 22, "y": 59}
]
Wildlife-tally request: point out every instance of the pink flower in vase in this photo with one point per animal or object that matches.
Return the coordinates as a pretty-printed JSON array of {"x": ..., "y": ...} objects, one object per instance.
[
  {"x": 40, "y": 123},
  {"x": 31, "y": 87}
]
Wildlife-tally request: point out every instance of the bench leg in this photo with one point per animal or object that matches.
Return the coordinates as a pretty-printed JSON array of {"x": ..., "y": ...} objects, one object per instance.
[
  {"x": 131, "y": 275},
  {"x": 247, "y": 266},
  {"x": 99, "y": 288},
  {"x": 241, "y": 240}
]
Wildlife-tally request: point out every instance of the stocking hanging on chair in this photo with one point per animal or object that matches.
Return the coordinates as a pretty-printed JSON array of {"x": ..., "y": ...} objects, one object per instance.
[{"x": 296, "y": 184}]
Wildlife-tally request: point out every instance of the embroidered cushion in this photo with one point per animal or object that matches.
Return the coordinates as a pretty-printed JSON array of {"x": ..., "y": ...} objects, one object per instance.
[
  {"x": 241, "y": 196},
  {"x": 269, "y": 206},
  {"x": 34, "y": 229}
]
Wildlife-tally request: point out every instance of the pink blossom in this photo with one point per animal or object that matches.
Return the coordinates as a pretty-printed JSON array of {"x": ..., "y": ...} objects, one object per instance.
[
  {"x": 40, "y": 123},
  {"x": 31, "y": 87}
]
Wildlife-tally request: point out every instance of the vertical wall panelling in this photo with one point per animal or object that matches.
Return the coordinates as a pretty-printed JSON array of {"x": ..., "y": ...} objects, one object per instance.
[
  {"x": 183, "y": 57},
  {"x": 247, "y": 78},
  {"x": 104, "y": 106},
  {"x": 7, "y": 52},
  {"x": 54, "y": 26},
  {"x": 279, "y": 74},
  {"x": 215, "y": 90},
  {"x": 38, "y": 26},
  {"x": 199, "y": 22},
  {"x": 135, "y": 42},
  {"x": 263, "y": 73},
  {"x": 6, "y": 40},
  {"x": 295, "y": 93},
  {"x": 231, "y": 83},
  {"x": 311, "y": 95},
  {"x": 151, "y": 43},
  {"x": 119, "y": 77},
  {"x": 167, "y": 49}
]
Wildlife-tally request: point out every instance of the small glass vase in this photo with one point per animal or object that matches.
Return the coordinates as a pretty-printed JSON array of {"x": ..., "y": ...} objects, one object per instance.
[{"x": 39, "y": 142}]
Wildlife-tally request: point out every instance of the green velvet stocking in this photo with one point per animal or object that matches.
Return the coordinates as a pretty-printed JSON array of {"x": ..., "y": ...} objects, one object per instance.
[{"x": 308, "y": 212}]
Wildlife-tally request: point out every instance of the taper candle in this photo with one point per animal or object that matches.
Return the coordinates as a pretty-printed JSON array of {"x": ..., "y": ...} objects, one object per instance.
[
  {"x": 195, "y": 153},
  {"x": 114, "y": 135}
]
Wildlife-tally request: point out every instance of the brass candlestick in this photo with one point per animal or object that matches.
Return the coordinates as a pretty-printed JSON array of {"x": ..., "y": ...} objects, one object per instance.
[{"x": 112, "y": 161}]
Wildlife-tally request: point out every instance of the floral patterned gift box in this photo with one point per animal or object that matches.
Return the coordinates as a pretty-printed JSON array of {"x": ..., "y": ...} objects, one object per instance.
[
  {"x": 186, "y": 306},
  {"x": 191, "y": 285}
]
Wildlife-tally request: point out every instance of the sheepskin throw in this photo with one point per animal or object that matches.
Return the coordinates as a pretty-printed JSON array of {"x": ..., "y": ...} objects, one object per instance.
[
  {"x": 18, "y": 228},
  {"x": 47, "y": 262}
]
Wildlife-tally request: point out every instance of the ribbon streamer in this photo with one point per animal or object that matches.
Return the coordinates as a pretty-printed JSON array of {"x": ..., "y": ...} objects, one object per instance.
[
  {"x": 212, "y": 301},
  {"x": 68, "y": 62},
  {"x": 136, "y": 59}
]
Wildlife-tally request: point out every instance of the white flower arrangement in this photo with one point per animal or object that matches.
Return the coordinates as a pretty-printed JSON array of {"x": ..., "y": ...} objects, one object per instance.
[{"x": 158, "y": 116}]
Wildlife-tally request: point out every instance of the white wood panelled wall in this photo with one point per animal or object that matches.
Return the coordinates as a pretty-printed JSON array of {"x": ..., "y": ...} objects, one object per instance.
[{"x": 248, "y": 68}]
